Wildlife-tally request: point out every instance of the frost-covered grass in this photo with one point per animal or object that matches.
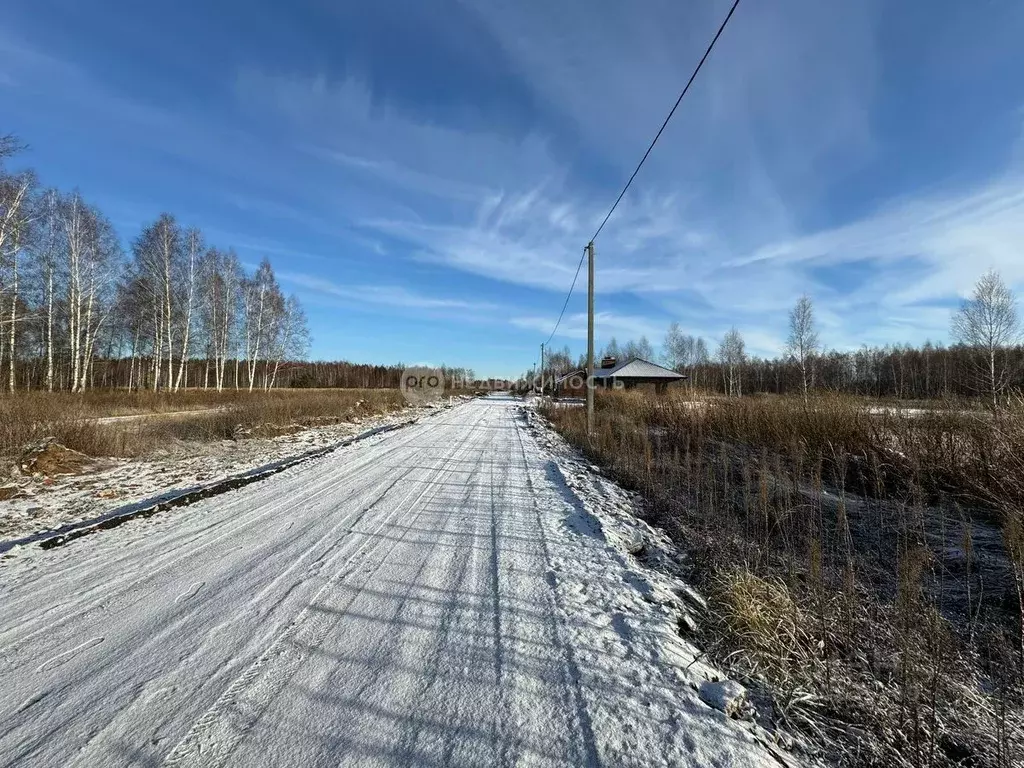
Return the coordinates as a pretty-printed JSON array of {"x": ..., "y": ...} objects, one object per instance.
[
  {"x": 864, "y": 566},
  {"x": 119, "y": 423}
]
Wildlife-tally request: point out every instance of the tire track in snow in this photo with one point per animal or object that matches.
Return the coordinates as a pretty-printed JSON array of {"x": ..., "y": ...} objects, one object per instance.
[
  {"x": 191, "y": 592},
  {"x": 131, "y": 584},
  {"x": 453, "y": 576},
  {"x": 335, "y": 481},
  {"x": 64, "y": 658},
  {"x": 361, "y": 554},
  {"x": 372, "y": 608},
  {"x": 215, "y": 735},
  {"x": 170, "y": 682},
  {"x": 587, "y": 745},
  {"x": 170, "y": 545}
]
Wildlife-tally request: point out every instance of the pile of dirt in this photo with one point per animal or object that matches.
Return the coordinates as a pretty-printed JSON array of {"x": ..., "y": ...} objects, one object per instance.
[{"x": 49, "y": 458}]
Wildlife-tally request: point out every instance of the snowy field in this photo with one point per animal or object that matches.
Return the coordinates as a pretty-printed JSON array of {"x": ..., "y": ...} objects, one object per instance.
[
  {"x": 456, "y": 592},
  {"x": 46, "y": 503}
]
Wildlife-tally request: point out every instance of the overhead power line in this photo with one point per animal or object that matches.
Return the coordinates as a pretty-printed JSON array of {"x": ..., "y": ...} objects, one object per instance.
[
  {"x": 571, "y": 287},
  {"x": 675, "y": 106},
  {"x": 657, "y": 136}
]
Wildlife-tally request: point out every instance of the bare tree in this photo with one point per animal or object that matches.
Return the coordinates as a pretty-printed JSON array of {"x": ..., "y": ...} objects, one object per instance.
[
  {"x": 701, "y": 357},
  {"x": 193, "y": 250},
  {"x": 259, "y": 296},
  {"x": 674, "y": 348},
  {"x": 732, "y": 355},
  {"x": 292, "y": 340},
  {"x": 803, "y": 338},
  {"x": 988, "y": 322},
  {"x": 133, "y": 315},
  {"x": 640, "y": 349},
  {"x": 77, "y": 226},
  {"x": 71, "y": 316},
  {"x": 9, "y": 146},
  {"x": 158, "y": 253},
  {"x": 611, "y": 350},
  {"x": 683, "y": 352},
  {"x": 222, "y": 284},
  {"x": 16, "y": 215},
  {"x": 94, "y": 255},
  {"x": 46, "y": 247}
]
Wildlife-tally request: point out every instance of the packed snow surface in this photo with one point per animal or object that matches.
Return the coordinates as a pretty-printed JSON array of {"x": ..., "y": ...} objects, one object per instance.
[
  {"x": 457, "y": 592},
  {"x": 44, "y": 503}
]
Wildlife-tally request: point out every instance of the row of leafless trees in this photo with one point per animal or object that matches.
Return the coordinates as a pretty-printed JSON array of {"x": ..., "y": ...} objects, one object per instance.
[
  {"x": 330, "y": 374},
  {"x": 985, "y": 360},
  {"x": 71, "y": 300}
]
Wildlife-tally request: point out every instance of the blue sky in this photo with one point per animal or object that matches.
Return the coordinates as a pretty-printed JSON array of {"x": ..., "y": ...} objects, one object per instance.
[{"x": 424, "y": 175}]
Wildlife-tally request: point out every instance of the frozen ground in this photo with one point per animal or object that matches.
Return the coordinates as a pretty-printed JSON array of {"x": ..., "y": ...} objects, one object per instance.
[
  {"x": 46, "y": 503},
  {"x": 457, "y": 592}
]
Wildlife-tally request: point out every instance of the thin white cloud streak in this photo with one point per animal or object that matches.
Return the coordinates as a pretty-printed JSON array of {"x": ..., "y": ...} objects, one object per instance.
[
  {"x": 667, "y": 247},
  {"x": 393, "y": 296},
  {"x": 944, "y": 242},
  {"x": 712, "y": 232}
]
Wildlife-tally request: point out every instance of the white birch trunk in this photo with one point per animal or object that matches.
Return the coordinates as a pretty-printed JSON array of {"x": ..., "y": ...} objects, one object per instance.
[
  {"x": 14, "y": 315},
  {"x": 188, "y": 315}
]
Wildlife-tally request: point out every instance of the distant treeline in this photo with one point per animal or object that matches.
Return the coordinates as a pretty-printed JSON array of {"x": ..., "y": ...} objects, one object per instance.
[
  {"x": 904, "y": 372},
  {"x": 202, "y": 373},
  {"x": 344, "y": 374},
  {"x": 915, "y": 373},
  {"x": 987, "y": 358}
]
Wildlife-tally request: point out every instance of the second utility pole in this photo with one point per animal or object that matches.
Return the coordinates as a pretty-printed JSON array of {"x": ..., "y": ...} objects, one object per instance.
[
  {"x": 542, "y": 370},
  {"x": 590, "y": 338}
]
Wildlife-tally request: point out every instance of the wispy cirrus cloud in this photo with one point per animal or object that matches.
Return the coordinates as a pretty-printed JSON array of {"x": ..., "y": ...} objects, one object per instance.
[
  {"x": 814, "y": 154},
  {"x": 669, "y": 245},
  {"x": 392, "y": 296}
]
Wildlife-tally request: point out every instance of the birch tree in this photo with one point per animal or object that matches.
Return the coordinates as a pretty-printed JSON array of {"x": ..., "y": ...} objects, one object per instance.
[
  {"x": 674, "y": 348},
  {"x": 93, "y": 259},
  {"x": 641, "y": 349},
  {"x": 611, "y": 350},
  {"x": 292, "y": 340},
  {"x": 76, "y": 224},
  {"x": 15, "y": 219},
  {"x": 46, "y": 250},
  {"x": 9, "y": 146},
  {"x": 683, "y": 352},
  {"x": 193, "y": 254},
  {"x": 221, "y": 284},
  {"x": 158, "y": 254},
  {"x": 259, "y": 296},
  {"x": 133, "y": 312},
  {"x": 987, "y": 322},
  {"x": 802, "y": 345},
  {"x": 732, "y": 355},
  {"x": 228, "y": 300}
]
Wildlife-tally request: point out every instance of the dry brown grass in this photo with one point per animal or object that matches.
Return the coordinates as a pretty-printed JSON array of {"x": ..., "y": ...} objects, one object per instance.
[
  {"x": 77, "y": 421},
  {"x": 863, "y": 567}
]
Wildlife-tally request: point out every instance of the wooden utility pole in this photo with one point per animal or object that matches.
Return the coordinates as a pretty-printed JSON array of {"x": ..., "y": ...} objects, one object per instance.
[
  {"x": 542, "y": 370},
  {"x": 590, "y": 338}
]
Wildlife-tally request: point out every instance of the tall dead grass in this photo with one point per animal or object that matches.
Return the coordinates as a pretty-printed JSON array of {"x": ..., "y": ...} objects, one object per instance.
[
  {"x": 863, "y": 566},
  {"x": 134, "y": 424}
]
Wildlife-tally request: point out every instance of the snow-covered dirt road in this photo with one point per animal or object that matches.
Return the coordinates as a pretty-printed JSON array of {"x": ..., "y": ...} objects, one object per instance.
[{"x": 446, "y": 594}]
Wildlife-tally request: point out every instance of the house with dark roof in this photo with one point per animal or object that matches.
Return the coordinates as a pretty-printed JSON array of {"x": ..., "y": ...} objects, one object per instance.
[{"x": 615, "y": 375}]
